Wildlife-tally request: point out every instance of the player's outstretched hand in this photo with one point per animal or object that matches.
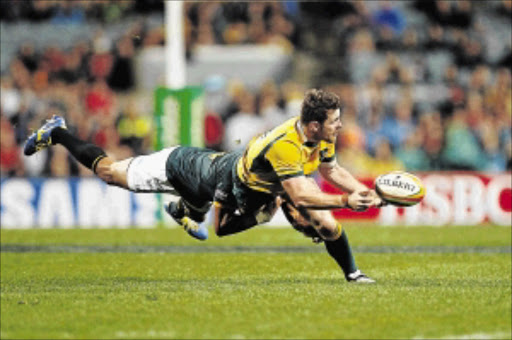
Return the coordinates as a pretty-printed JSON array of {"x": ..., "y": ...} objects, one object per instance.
[
  {"x": 360, "y": 200},
  {"x": 377, "y": 200}
]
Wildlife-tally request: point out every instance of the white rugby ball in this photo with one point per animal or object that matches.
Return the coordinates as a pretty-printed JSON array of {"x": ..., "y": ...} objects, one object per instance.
[{"x": 400, "y": 188}]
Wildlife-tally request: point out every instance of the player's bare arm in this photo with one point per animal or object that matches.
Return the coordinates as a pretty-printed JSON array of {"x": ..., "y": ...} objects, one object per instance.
[
  {"x": 306, "y": 194},
  {"x": 344, "y": 180},
  {"x": 228, "y": 221}
]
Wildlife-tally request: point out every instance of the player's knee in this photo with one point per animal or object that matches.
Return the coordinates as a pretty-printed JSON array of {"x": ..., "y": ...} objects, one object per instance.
[
  {"x": 330, "y": 233},
  {"x": 104, "y": 171},
  {"x": 113, "y": 173}
]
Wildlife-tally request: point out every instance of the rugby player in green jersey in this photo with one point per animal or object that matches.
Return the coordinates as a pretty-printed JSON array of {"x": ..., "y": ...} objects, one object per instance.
[{"x": 246, "y": 189}]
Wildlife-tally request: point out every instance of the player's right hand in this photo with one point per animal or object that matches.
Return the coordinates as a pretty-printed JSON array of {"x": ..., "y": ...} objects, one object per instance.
[{"x": 360, "y": 200}]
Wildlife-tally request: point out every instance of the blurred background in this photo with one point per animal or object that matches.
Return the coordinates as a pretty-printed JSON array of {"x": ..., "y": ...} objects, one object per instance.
[{"x": 426, "y": 86}]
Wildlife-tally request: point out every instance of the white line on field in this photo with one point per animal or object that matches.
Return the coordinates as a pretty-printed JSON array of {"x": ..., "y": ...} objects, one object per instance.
[
  {"x": 145, "y": 334},
  {"x": 474, "y": 336}
]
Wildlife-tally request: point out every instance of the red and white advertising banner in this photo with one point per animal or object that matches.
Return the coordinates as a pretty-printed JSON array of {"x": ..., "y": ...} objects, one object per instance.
[
  {"x": 451, "y": 199},
  {"x": 454, "y": 198}
]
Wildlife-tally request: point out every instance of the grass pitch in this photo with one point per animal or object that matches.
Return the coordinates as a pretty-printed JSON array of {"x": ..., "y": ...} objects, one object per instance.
[{"x": 450, "y": 282}]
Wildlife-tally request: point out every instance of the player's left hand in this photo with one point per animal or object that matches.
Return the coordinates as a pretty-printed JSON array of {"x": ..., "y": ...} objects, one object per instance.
[{"x": 377, "y": 202}]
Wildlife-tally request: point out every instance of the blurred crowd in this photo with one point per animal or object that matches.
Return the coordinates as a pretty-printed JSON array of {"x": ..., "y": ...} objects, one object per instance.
[
  {"x": 387, "y": 126},
  {"x": 76, "y": 11}
]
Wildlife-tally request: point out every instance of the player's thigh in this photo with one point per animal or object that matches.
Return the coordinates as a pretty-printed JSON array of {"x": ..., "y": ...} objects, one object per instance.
[
  {"x": 147, "y": 173},
  {"x": 323, "y": 220}
]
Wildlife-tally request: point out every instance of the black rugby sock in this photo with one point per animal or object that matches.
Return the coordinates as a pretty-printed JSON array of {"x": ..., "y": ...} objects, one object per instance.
[
  {"x": 340, "y": 250},
  {"x": 237, "y": 223},
  {"x": 86, "y": 153}
]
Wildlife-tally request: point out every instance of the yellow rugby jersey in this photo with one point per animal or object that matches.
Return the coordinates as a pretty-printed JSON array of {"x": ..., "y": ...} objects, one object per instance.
[{"x": 281, "y": 153}]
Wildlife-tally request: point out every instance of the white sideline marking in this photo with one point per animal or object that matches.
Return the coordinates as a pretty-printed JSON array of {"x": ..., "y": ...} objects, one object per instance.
[
  {"x": 474, "y": 336},
  {"x": 148, "y": 333}
]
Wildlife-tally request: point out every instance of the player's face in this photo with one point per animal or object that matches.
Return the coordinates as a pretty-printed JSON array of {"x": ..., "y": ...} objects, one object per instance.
[{"x": 331, "y": 127}]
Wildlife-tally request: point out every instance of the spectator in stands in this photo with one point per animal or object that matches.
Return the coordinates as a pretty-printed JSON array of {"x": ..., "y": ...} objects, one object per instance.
[
  {"x": 362, "y": 41},
  {"x": 10, "y": 99},
  {"x": 351, "y": 145},
  {"x": 268, "y": 106},
  {"x": 410, "y": 41},
  {"x": 293, "y": 94},
  {"x": 10, "y": 152},
  {"x": 19, "y": 74},
  {"x": 244, "y": 125},
  {"x": 397, "y": 127},
  {"x": 506, "y": 59},
  {"x": 394, "y": 68},
  {"x": 412, "y": 155},
  {"x": 389, "y": 16},
  {"x": 435, "y": 39},
  {"x": 431, "y": 130},
  {"x": 495, "y": 158},
  {"x": 439, "y": 11},
  {"x": 475, "y": 111},
  {"x": 72, "y": 70},
  {"x": 213, "y": 131},
  {"x": 100, "y": 103},
  {"x": 384, "y": 160},
  {"x": 122, "y": 75},
  {"x": 456, "y": 92},
  {"x": 498, "y": 96},
  {"x": 133, "y": 128},
  {"x": 462, "y": 16},
  {"x": 386, "y": 40},
  {"x": 469, "y": 53},
  {"x": 281, "y": 31},
  {"x": 28, "y": 56},
  {"x": 60, "y": 165},
  {"x": 504, "y": 8},
  {"x": 462, "y": 150},
  {"x": 257, "y": 32},
  {"x": 68, "y": 12},
  {"x": 373, "y": 129}
]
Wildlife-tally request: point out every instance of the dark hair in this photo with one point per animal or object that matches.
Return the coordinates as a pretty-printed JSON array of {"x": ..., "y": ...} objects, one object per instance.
[{"x": 316, "y": 104}]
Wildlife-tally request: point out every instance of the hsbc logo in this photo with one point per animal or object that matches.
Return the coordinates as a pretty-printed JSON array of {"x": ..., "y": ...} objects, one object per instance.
[{"x": 458, "y": 199}]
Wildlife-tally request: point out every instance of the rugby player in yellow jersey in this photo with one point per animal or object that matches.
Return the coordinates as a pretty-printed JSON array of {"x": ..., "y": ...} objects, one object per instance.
[
  {"x": 279, "y": 162},
  {"x": 246, "y": 189}
]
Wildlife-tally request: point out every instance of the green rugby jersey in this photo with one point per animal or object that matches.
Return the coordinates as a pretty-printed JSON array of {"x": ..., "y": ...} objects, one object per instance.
[{"x": 202, "y": 175}]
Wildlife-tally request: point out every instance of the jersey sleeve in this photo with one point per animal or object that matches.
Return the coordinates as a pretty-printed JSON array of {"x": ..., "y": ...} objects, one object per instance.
[
  {"x": 224, "y": 188},
  {"x": 328, "y": 155},
  {"x": 286, "y": 159}
]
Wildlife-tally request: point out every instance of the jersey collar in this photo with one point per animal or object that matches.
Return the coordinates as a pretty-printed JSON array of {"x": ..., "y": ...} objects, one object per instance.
[{"x": 302, "y": 136}]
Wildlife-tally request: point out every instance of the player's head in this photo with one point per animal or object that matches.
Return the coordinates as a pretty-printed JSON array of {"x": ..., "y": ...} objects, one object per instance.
[{"x": 320, "y": 114}]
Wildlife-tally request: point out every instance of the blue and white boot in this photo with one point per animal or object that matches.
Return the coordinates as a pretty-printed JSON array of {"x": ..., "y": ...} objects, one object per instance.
[
  {"x": 42, "y": 138},
  {"x": 193, "y": 228}
]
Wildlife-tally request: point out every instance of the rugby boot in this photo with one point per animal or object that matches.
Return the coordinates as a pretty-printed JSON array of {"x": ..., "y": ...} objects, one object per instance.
[
  {"x": 42, "y": 138},
  {"x": 359, "y": 277},
  {"x": 177, "y": 211}
]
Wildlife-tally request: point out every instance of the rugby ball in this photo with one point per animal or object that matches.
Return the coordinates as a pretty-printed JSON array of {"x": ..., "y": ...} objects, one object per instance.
[{"x": 400, "y": 188}]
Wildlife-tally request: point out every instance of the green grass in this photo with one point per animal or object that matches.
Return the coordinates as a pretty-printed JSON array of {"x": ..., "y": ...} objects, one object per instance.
[
  {"x": 256, "y": 295},
  {"x": 362, "y": 234}
]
